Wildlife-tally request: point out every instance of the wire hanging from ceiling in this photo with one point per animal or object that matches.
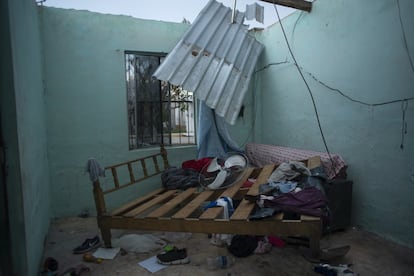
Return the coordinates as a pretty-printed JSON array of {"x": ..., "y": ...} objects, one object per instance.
[{"x": 308, "y": 88}]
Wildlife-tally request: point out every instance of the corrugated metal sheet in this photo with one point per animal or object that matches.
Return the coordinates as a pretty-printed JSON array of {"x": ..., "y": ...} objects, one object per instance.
[{"x": 214, "y": 59}]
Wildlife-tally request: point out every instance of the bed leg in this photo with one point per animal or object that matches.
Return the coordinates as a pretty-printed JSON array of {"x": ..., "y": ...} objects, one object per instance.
[
  {"x": 106, "y": 236},
  {"x": 314, "y": 246}
]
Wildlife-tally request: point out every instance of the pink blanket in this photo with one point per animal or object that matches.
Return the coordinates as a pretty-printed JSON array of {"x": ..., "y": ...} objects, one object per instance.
[{"x": 261, "y": 154}]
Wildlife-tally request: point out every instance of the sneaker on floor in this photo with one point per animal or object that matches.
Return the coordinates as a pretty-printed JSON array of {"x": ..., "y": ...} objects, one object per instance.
[
  {"x": 87, "y": 245},
  {"x": 175, "y": 256}
]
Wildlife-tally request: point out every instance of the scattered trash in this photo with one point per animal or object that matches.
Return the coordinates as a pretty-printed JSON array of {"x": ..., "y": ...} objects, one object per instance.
[
  {"x": 106, "y": 253},
  {"x": 219, "y": 262},
  {"x": 338, "y": 270},
  {"x": 173, "y": 256},
  {"x": 76, "y": 271},
  {"x": 276, "y": 241},
  {"x": 84, "y": 214},
  {"x": 87, "y": 245},
  {"x": 87, "y": 257},
  {"x": 50, "y": 266},
  {"x": 263, "y": 247},
  {"x": 139, "y": 243},
  {"x": 152, "y": 264},
  {"x": 123, "y": 252},
  {"x": 242, "y": 245}
]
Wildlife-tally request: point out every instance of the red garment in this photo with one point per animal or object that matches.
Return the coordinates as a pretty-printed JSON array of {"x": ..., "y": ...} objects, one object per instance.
[{"x": 197, "y": 165}]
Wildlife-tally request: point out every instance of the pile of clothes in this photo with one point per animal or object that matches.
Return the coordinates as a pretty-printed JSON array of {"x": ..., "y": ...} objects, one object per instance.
[{"x": 293, "y": 189}]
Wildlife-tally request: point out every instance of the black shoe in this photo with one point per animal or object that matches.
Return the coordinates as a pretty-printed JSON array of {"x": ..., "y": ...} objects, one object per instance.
[
  {"x": 175, "y": 256},
  {"x": 87, "y": 245}
]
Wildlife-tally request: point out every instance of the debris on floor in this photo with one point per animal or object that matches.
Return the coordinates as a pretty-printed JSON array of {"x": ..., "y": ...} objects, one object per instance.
[
  {"x": 173, "y": 256},
  {"x": 152, "y": 264},
  {"x": 368, "y": 254},
  {"x": 337, "y": 270},
  {"x": 106, "y": 253},
  {"x": 139, "y": 243},
  {"x": 87, "y": 245}
]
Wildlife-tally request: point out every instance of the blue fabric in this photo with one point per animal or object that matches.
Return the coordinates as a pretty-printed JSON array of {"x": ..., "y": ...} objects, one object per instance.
[
  {"x": 229, "y": 204},
  {"x": 284, "y": 187},
  {"x": 213, "y": 136}
]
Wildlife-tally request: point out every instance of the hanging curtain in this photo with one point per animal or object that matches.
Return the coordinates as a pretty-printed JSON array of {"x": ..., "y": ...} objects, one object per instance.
[{"x": 213, "y": 137}]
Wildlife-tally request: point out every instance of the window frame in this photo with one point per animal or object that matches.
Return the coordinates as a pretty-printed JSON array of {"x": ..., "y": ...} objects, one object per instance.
[{"x": 134, "y": 143}]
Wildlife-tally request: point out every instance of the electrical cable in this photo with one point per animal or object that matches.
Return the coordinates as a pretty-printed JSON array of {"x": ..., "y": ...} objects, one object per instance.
[
  {"x": 404, "y": 37},
  {"x": 404, "y": 106},
  {"x": 355, "y": 100},
  {"x": 308, "y": 88},
  {"x": 336, "y": 89}
]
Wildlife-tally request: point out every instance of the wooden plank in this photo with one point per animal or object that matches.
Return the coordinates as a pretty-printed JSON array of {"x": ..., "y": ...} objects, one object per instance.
[
  {"x": 306, "y": 217},
  {"x": 131, "y": 173},
  {"x": 246, "y": 207},
  {"x": 135, "y": 202},
  {"x": 243, "y": 211},
  {"x": 279, "y": 216},
  {"x": 136, "y": 211},
  {"x": 314, "y": 162},
  {"x": 115, "y": 175},
  {"x": 168, "y": 206},
  {"x": 296, "y": 4},
  {"x": 129, "y": 184},
  {"x": 213, "y": 213},
  {"x": 155, "y": 160},
  {"x": 232, "y": 191},
  {"x": 144, "y": 167},
  {"x": 131, "y": 161},
  {"x": 261, "y": 179},
  {"x": 193, "y": 205},
  {"x": 253, "y": 227}
]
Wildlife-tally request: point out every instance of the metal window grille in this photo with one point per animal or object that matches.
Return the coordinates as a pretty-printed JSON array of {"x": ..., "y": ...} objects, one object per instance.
[{"x": 157, "y": 111}]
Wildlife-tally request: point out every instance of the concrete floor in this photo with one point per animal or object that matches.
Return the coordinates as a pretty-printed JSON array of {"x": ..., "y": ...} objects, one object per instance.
[{"x": 369, "y": 254}]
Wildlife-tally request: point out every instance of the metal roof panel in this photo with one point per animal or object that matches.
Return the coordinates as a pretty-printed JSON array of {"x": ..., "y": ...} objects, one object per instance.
[{"x": 215, "y": 59}]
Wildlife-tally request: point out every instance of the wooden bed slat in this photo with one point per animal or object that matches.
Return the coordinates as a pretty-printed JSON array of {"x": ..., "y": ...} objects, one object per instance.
[
  {"x": 131, "y": 173},
  {"x": 168, "y": 206},
  {"x": 136, "y": 211},
  {"x": 243, "y": 210},
  {"x": 135, "y": 202},
  {"x": 115, "y": 176},
  {"x": 213, "y": 213},
  {"x": 261, "y": 179},
  {"x": 246, "y": 207},
  {"x": 231, "y": 191},
  {"x": 193, "y": 205}
]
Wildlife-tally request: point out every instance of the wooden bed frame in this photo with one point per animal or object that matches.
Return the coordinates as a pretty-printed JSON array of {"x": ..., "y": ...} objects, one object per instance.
[{"x": 180, "y": 211}]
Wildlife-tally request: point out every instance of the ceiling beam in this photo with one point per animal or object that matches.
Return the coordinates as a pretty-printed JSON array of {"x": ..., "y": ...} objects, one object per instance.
[{"x": 296, "y": 4}]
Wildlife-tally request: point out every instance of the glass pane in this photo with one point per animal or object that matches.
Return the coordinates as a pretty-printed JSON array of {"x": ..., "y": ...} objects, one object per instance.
[
  {"x": 157, "y": 111},
  {"x": 148, "y": 128},
  {"x": 166, "y": 123}
]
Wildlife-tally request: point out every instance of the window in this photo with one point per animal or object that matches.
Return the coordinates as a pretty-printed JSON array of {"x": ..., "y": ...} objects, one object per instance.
[{"x": 158, "y": 112}]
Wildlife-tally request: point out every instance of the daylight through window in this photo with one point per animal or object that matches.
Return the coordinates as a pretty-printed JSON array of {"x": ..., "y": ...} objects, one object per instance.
[{"x": 158, "y": 112}]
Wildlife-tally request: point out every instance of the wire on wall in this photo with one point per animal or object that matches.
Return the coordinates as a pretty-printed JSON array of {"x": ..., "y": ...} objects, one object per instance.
[
  {"x": 404, "y": 106},
  {"x": 404, "y": 37},
  {"x": 308, "y": 88}
]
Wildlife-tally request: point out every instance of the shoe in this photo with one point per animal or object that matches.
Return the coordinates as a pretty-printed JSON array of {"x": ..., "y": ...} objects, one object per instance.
[
  {"x": 174, "y": 256},
  {"x": 87, "y": 245}
]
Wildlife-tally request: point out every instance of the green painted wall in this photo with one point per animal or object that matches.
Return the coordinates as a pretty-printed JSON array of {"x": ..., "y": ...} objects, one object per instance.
[
  {"x": 86, "y": 97},
  {"x": 357, "y": 47},
  {"x": 24, "y": 126}
]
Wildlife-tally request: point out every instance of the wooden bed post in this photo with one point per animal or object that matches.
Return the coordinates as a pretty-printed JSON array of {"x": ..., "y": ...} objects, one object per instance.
[
  {"x": 100, "y": 211},
  {"x": 164, "y": 155}
]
